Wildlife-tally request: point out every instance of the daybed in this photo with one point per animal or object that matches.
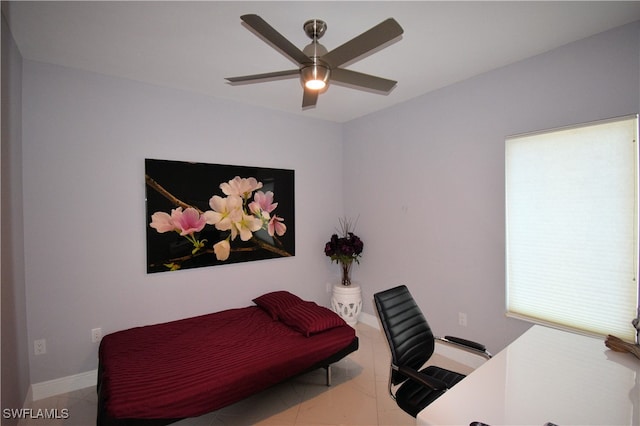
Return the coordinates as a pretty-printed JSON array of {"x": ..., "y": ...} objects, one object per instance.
[{"x": 159, "y": 374}]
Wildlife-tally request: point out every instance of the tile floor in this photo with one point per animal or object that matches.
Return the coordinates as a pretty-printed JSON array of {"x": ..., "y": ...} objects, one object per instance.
[{"x": 358, "y": 396}]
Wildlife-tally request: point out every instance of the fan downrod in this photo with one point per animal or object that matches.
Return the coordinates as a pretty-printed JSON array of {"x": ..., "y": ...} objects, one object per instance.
[{"x": 315, "y": 28}]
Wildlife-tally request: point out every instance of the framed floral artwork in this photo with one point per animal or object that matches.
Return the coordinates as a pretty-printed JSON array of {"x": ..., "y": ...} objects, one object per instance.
[{"x": 201, "y": 214}]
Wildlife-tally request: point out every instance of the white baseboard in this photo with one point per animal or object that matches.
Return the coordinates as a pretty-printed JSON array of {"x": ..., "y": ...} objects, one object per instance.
[
  {"x": 54, "y": 387},
  {"x": 370, "y": 320}
]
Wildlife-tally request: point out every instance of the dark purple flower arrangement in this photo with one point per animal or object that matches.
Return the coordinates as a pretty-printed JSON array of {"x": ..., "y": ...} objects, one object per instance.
[{"x": 344, "y": 249}]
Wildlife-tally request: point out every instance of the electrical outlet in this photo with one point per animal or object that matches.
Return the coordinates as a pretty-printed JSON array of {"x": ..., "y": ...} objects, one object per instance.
[
  {"x": 462, "y": 319},
  {"x": 96, "y": 335},
  {"x": 40, "y": 347}
]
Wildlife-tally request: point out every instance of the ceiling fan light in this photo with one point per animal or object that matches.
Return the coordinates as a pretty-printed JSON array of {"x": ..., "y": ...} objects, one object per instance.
[
  {"x": 315, "y": 77},
  {"x": 315, "y": 84}
]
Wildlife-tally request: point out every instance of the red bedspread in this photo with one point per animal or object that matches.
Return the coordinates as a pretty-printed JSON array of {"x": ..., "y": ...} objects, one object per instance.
[{"x": 189, "y": 367}]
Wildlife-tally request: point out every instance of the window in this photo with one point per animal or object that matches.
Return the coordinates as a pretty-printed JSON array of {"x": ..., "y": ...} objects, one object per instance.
[{"x": 572, "y": 227}]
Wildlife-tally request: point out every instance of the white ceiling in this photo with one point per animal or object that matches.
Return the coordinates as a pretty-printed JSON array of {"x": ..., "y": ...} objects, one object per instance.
[{"x": 194, "y": 45}]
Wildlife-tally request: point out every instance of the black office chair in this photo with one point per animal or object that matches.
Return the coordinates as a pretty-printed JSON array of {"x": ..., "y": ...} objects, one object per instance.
[{"x": 412, "y": 343}]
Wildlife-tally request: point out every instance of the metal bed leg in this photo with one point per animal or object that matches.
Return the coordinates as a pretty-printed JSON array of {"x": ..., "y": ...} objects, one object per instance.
[{"x": 328, "y": 369}]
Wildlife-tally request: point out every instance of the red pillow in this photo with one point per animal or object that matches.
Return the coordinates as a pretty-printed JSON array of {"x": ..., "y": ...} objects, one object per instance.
[
  {"x": 276, "y": 302},
  {"x": 309, "y": 318}
]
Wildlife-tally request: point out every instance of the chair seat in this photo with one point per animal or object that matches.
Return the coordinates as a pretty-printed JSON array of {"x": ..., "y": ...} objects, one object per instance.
[{"x": 412, "y": 397}]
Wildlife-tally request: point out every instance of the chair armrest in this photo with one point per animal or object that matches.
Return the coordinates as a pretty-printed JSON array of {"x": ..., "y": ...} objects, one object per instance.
[
  {"x": 468, "y": 345},
  {"x": 428, "y": 381}
]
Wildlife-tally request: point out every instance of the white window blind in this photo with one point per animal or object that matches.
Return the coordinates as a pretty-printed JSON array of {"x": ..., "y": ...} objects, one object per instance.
[{"x": 572, "y": 225}]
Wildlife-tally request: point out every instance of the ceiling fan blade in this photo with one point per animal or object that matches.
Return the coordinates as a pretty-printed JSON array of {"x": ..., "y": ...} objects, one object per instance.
[
  {"x": 359, "y": 79},
  {"x": 254, "y": 78},
  {"x": 274, "y": 37},
  {"x": 309, "y": 98},
  {"x": 369, "y": 40}
]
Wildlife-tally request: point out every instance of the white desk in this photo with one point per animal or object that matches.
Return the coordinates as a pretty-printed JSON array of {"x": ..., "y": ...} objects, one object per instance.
[{"x": 545, "y": 375}]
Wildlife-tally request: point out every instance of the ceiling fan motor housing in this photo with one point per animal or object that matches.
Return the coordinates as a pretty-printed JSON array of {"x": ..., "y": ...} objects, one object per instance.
[{"x": 316, "y": 74}]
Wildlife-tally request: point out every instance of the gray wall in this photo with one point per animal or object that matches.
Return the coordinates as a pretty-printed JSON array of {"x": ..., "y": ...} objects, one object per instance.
[
  {"x": 427, "y": 177},
  {"x": 15, "y": 366},
  {"x": 85, "y": 139}
]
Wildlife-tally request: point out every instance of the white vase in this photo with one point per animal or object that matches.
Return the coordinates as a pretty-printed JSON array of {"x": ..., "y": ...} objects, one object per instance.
[{"x": 346, "y": 301}]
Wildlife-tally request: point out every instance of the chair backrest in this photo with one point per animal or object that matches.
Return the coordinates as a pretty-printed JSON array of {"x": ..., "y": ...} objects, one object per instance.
[{"x": 408, "y": 333}]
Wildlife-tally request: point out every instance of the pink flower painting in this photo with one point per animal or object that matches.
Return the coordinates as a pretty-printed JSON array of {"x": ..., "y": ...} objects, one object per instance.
[{"x": 238, "y": 220}]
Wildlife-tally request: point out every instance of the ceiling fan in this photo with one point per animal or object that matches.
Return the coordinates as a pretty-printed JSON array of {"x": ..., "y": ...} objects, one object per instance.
[{"x": 317, "y": 66}]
